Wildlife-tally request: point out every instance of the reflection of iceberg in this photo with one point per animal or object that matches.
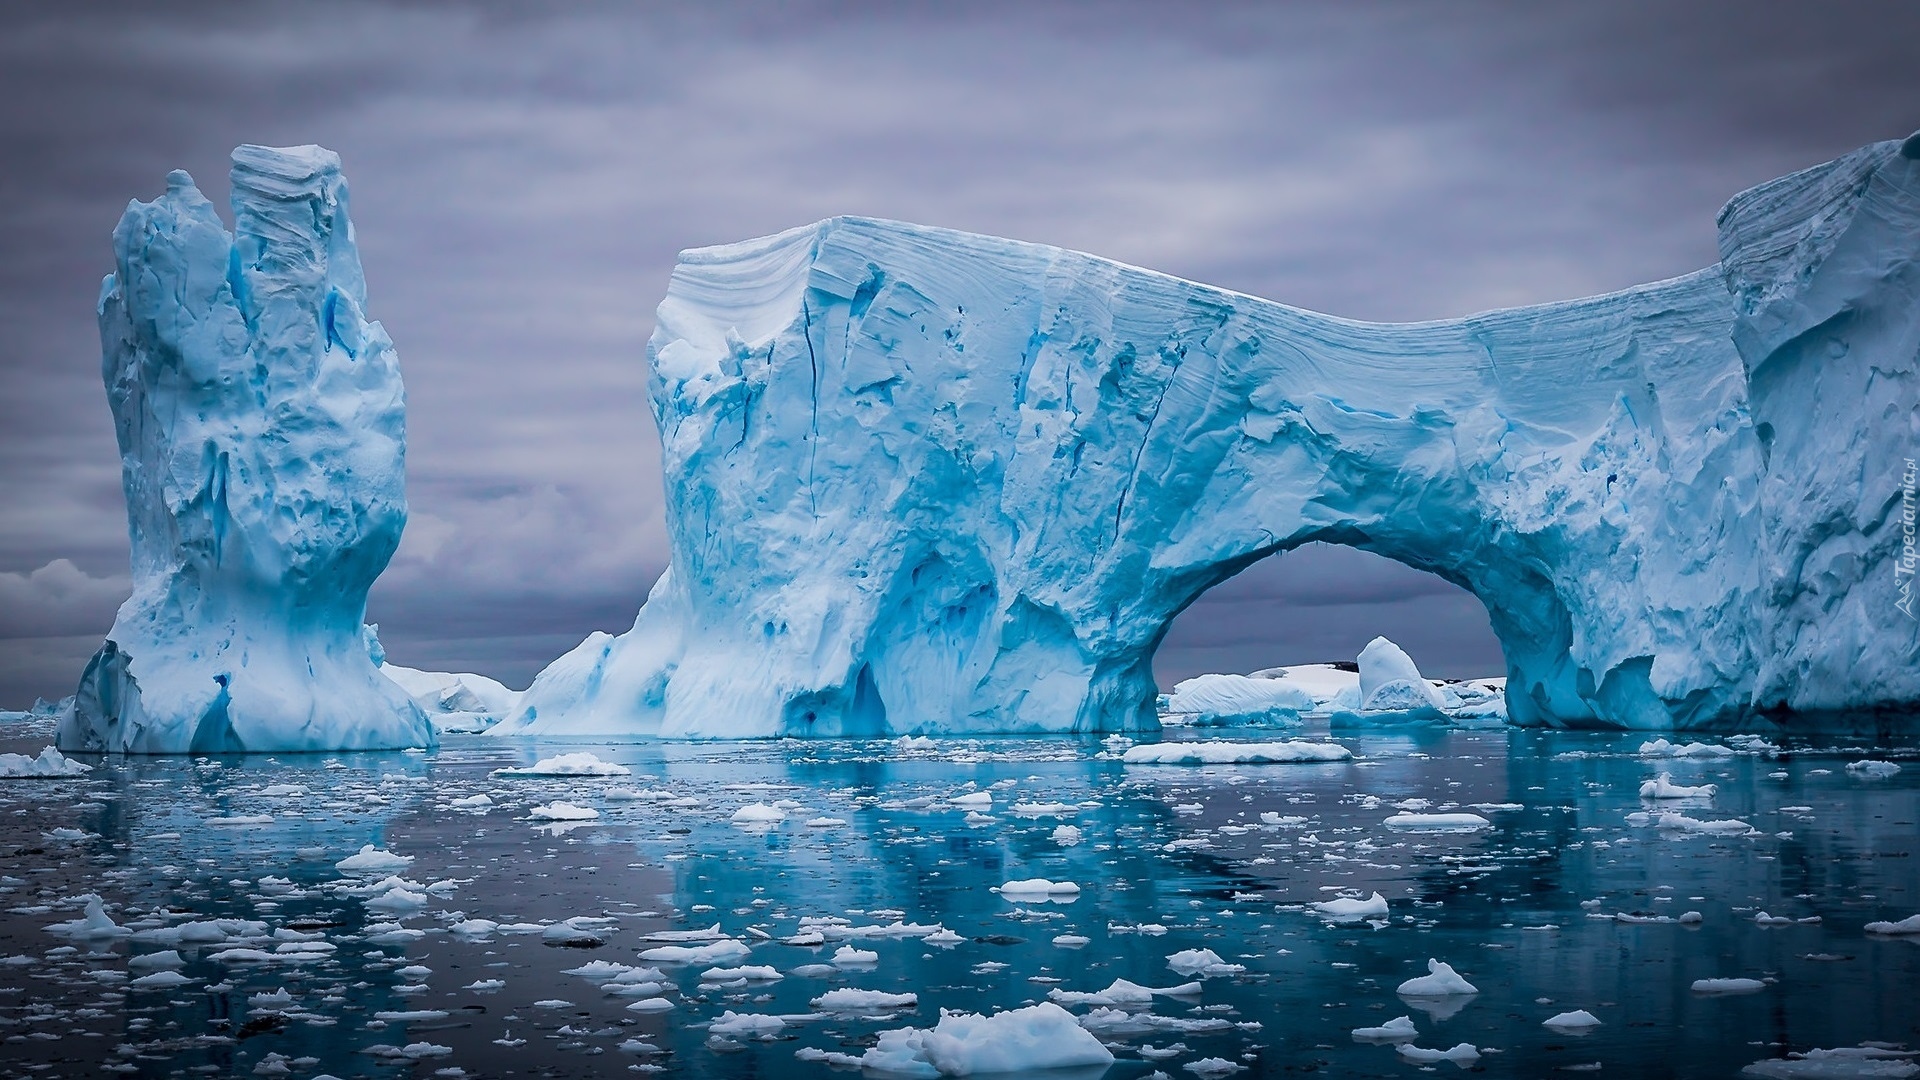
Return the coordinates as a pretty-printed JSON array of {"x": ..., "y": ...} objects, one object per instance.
[
  {"x": 261, "y": 425},
  {"x": 926, "y": 480}
]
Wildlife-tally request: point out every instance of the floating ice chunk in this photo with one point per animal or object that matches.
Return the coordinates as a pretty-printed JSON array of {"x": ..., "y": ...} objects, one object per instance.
[
  {"x": 1673, "y": 822},
  {"x": 473, "y": 802},
  {"x": 485, "y": 984},
  {"x": 1577, "y": 1020},
  {"x": 759, "y": 814},
  {"x": 1122, "y": 992},
  {"x": 278, "y": 999},
  {"x": 1071, "y": 941},
  {"x": 1352, "y": 907},
  {"x": 1067, "y": 835},
  {"x": 1016, "y": 1042},
  {"x": 155, "y": 961},
  {"x": 848, "y": 956},
  {"x": 1440, "y": 981},
  {"x": 1663, "y": 787},
  {"x": 583, "y": 763},
  {"x": 397, "y": 899},
  {"x": 1872, "y": 770},
  {"x": 1202, "y": 962},
  {"x": 1461, "y": 1054},
  {"x": 1390, "y": 681},
  {"x": 51, "y": 764},
  {"x": 650, "y": 1005},
  {"x": 372, "y": 860},
  {"x": 93, "y": 923},
  {"x": 750, "y": 973},
  {"x": 849, "y": 999},
  {"x": 1398, "y": 1029},
  {"x": 826, "y": 823},
  {"x": 563, "y": 811},
  {"x": 1845, "y": 1063},
  {"x": 709, "y": 933},
  {"x": 1908, "y": 925},
  {"x": 974, "y": 800},
  {"x": 1044, "y": 809},
  {"x": 1039, "y": 890},
  {"x": 1728, "y": 986},
  {"x": 717, "y": 952},
  {"x": 1661, "y": 748},
  {"x": 943, "y": 936},
  {"x": 1234, "y": 753},
  {"x": 747, "y": 1025},
  {"x": 579, "y": 932},
  {"x": 1438, "y": 822},
  {"x": 1236, "y": 699},
  {"x": 1213, "y": 1068}
]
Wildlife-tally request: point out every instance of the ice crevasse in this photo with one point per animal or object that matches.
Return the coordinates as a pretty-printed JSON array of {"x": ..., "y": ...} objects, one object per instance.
[
  {"x": 261, "y": 424},
  {"x": 920, "y": 480}
]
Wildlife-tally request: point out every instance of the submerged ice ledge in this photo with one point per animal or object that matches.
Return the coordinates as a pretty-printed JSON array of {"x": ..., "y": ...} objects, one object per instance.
[{"x": 921, "y": 480}]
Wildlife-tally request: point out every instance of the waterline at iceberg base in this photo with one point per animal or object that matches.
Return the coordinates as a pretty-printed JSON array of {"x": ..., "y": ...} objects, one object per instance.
[
  {"x": 774, "y": 908},
  {"x": 926, "y": 481}
]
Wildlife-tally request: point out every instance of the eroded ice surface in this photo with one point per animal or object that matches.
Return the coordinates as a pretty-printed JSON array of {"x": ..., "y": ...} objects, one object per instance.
[
  {"x": 928, "y": 481},
  {"x": 262, "y": 433},
  {"x": 373, "y": 914}
]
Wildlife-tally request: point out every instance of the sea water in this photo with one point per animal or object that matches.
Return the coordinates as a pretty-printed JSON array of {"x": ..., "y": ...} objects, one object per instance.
[{"x": 1572, "y": 897}]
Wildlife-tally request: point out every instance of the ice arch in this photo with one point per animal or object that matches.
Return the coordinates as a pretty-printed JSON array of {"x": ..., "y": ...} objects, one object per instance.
[{"x": 921, "y": 480}]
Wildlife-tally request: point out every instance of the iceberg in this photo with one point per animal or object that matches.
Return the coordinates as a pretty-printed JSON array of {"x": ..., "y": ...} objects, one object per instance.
[
  {"x": 1225, "y": 700},
  {"x": 261, "y": 426},
  {"x": 926, "y": 481}
]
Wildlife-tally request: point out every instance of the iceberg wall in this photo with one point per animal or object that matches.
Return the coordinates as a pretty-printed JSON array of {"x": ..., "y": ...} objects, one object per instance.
[
  {"x": 261, "y": 424},
  {"x": 921, "y": 481}
]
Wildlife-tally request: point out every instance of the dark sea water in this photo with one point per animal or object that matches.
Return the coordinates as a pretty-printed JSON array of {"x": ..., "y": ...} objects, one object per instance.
[{"x": 1526, "y": 909}]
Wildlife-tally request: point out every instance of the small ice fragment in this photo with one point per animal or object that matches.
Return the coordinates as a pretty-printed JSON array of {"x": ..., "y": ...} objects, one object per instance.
[
  {"x": 1437, "y": 822},
  {"x": 759, "y": 814},
  {"x": 1349, "y": 907},
  {"x": 373, "y": 860},
  {"x": 1728, "y": 986},
  {"x": 848, "y": 956},
  {"x": 1577, "y": 1020},
  {"x": 849, "y": 999},
  {"x": 746, "y": 1025},
  {"x": 1398, "y": 1029},
  {"x": 1036, "y": 889},
  {"x": 1873, "y": 770},
  {"x": 1202, "y": 962},
  {"x": 1440, "y": 981},
  {"x": 1663, "y": 787},
  {"x": 580, "y": 764},
  {"x": 1908, "y": 925},
  {"x": 1462, "y": 1054},
  {"x": 563, "y": 811}
]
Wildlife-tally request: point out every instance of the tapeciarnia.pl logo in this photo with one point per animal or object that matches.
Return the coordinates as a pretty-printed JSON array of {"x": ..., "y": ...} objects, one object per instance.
[{"x": 1903, "y": 567}]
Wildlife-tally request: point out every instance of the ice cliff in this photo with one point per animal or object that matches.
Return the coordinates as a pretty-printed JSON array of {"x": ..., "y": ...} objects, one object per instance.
[
  {"x": 921, "y": 480},
  {"x": 260, "y": 418}
]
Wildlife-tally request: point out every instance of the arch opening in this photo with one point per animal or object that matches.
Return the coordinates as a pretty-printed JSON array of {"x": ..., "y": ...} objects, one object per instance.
[{"x": 1322, "y": 602}]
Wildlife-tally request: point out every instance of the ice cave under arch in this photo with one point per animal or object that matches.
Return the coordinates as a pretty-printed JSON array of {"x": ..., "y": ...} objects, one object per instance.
[{"x": 922, "y": 480}]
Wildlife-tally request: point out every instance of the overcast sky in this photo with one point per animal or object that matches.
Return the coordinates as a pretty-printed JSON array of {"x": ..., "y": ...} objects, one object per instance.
[{"x": 521, "y": 185}]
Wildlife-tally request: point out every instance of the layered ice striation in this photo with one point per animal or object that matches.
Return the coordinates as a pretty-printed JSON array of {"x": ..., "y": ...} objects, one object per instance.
[
  {"x": 921, "y": 480},
  {"x": 260, "y": 419}
]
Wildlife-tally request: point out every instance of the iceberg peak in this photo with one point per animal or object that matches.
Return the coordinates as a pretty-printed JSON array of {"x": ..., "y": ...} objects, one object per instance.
[{"x": 261, "y": 424}]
